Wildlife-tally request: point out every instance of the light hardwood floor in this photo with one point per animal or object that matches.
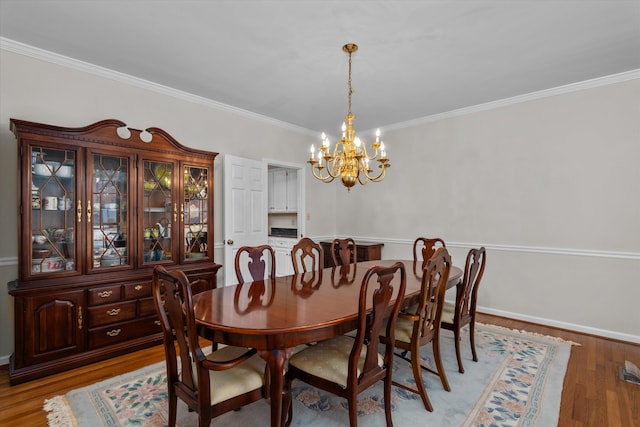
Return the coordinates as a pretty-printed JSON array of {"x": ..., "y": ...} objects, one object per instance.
[{"x": 592, "y": 396}]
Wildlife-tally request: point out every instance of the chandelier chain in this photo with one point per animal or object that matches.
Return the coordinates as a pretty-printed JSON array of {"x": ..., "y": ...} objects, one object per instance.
[{"x": 349, "y": 84}]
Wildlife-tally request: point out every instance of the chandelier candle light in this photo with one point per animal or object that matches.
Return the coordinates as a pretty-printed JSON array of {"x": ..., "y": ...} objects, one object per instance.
[{"x": 349, "y": 160}]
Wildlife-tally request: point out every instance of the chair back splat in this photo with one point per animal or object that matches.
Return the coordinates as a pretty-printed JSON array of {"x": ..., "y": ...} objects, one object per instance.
[
  {"x": 345, "y": 365},
  {"x": 423, "y": 249},
  {"x": 260, "y": 261},
  {"x": 344, "y": 251},
  {"x": 307, "y": 255}
]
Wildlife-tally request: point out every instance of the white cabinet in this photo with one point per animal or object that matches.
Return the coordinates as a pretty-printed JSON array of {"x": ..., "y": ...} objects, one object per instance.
[
  {"x": 282, "y": 248},
  {"x": 283, "y": 190},
  {"x": 292, "y": 191}
]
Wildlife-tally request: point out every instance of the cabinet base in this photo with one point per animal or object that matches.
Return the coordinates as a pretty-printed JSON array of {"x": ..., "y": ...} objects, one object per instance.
[{"x": 32, "y": 372}]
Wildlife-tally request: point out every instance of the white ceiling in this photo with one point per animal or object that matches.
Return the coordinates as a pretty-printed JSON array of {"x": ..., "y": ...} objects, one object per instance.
[{"x": 284, "y": 59}]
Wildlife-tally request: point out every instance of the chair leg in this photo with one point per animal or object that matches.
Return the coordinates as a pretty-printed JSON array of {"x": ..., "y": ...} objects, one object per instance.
[
  {"x": 417, "y": 375},
  {"x": 436, "y": 355},
  {"x": 173, "y": 407},
  {"x": 457, "y": 338},
  {"x": 352, "y": 401},
  {"x": 472, "y": 337},
  {"x": 287, "y": 401},
  {"x": 387, "y": 398},
  {"x": 204, "y": 417}
]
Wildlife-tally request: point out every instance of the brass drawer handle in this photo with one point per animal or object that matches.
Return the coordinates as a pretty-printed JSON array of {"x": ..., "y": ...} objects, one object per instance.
[
  {"x": 113, "y": 312},
  {"x": 79, "y": 317},
  {"x": 138, "y": 287},
  {"x": 114, "y": 333},
  {"x": 105, "y": 294}
]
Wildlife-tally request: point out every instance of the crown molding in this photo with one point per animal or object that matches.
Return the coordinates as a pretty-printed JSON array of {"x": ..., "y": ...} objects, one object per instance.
[
  {"x": 37, "y": 53},
  {"x": 65, "y": 61},
  {"x": 573, "y": 87}
]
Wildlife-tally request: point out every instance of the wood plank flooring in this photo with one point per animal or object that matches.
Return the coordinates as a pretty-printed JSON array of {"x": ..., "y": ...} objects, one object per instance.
[{"x": 592, "y": 395}]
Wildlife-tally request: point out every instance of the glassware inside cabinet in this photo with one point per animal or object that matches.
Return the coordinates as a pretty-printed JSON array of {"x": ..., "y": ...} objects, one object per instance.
[
  {"x": 196, "y": 211},
  {"x": 109, "y": 215},
  {"x": 52, "y": 215},
  {"x": 158, "y": 211}
]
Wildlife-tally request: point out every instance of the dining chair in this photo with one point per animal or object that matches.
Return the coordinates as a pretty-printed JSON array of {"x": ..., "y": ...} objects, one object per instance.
[
  {"x": 423, "y": 249},
  {"x": 420, "y": 324},
  {"x": 259, "y": 261},
  {"x": 454, "y": 317},
  {"x": 345, "y": 366},
  {"x": 307, "y": 255},
  {"x": 344, "y": 251},
  {"x": 210, "y": 384}
]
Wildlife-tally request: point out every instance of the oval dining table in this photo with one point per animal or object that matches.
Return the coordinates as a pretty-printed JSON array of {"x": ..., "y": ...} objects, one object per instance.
[{"x": 276, "y": 316}]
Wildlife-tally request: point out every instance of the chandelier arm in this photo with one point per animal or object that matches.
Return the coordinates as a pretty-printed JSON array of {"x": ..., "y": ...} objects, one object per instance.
[
  {"x": 318, "y": 174},
  {"x": 380, "y": 176},
  {"x": 366, "y": 178}
]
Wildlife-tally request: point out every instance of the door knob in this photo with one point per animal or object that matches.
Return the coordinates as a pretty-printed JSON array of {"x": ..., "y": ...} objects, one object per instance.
[{"x": 229, "y": 242}]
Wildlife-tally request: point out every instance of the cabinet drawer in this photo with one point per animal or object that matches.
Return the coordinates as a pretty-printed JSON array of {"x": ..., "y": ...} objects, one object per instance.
[
  {"x": 113, "y": 334},
  {"x": 111, "y": 313},
  {"x": 201, "y": 282},
  {"x": 104, "y": 295},
  {"x": 137, "y": 290},
  {"x": 146, "y": 307}
]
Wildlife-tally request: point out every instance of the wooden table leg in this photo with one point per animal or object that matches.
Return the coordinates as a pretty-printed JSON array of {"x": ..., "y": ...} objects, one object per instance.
[{"x": 276, "y": 360}]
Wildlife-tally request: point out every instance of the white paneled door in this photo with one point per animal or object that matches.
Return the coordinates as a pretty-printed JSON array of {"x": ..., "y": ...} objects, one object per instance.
[{"x": 245, "y": 208}]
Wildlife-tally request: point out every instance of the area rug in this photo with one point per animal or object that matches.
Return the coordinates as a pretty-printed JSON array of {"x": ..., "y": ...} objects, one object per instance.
[{"x": 516, "y": 382}]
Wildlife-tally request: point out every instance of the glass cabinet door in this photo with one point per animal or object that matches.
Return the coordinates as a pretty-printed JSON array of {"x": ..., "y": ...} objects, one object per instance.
[
  {"x": 53, "y": 198},
  {"x": 195, "y": 211},
  {"x": 109, "y": 217},
  {"x": 159, "y": 211}
]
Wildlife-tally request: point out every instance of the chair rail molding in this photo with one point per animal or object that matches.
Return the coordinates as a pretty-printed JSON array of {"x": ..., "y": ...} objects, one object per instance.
[
  {"x": 8, "y": 261},
  {"x": 517, "y": 248}
]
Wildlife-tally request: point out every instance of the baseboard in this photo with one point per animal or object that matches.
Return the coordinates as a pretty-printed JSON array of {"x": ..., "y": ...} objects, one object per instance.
[
  {"x": 4, "y": 360},
  {"x": 562, "y": 325}
]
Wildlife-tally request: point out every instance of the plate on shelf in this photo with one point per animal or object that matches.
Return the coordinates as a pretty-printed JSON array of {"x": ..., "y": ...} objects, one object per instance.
[
  {"x": 195, "y": 255},
  {"x": 149, "y": 185},
  {"x": 163, "y": 173},
  {"x": 48, "y": 265}
]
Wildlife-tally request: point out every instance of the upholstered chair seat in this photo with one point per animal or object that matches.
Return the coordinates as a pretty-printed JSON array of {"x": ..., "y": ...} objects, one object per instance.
[
  {"x": 448, "y": 312},
  {"x": 243, "y": 378},
  {"x": 330, "y": 359}
]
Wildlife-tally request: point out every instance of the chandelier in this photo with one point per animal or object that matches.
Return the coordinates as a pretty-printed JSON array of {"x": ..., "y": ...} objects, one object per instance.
[{"x": 349, "y": 159}]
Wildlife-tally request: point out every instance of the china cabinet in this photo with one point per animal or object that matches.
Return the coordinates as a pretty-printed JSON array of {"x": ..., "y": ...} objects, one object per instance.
[{"x": 99, "y": 207}]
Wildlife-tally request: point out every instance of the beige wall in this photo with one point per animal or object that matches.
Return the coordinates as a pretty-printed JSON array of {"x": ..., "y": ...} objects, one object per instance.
[{"x": 549, "y": 186}]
